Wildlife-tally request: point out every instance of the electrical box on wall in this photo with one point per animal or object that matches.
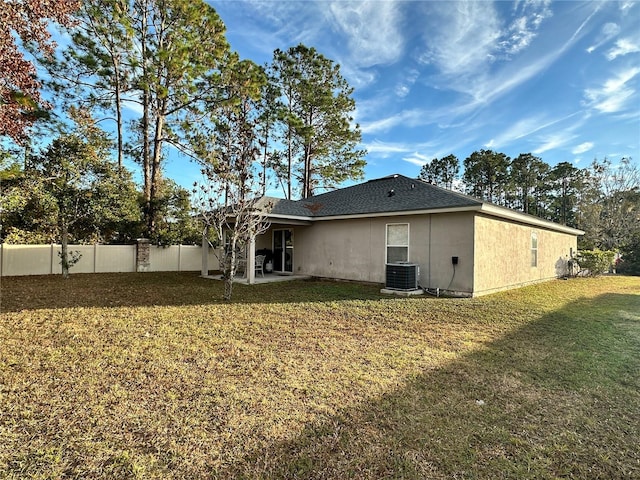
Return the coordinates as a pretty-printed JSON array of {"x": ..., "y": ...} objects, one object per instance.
[{"x": 454, "y": 260}]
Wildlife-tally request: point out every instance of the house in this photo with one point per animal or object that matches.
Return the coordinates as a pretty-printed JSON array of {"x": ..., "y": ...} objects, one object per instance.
[{"x": 461, "y": 244}]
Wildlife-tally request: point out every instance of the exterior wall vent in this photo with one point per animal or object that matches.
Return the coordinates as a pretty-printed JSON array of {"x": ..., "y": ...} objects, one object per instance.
[{"x": 402, "y": 276}]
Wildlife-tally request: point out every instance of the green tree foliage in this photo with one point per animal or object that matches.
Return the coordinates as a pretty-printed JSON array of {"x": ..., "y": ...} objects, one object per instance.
[
  {"x": 177, "y": 222},
  {"x": 315, "y": 124},
  {"x": 527, "y": 183},
  {"x": 167, "y": 56},
  {"x": 486, "y": 175},
  {"x": 603, "y": 200},
  {"x": 80, "y": 191},
  {"x": 630, "y": 256},
  {"x": 567, "y": 184},
  {"x": 441, "y": 172},
  {"x": 96, "y": 70}
]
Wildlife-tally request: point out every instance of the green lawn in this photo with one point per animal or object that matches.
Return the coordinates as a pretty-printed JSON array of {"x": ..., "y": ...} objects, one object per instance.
[{"x": 152, "y": 376}]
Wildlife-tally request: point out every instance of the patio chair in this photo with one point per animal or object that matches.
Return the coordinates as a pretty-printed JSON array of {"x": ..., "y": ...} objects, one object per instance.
[{"x": 260, "y": 264}]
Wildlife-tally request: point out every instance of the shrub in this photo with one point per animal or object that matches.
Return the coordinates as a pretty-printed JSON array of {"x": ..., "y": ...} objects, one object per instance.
[
  {"x": 630, "y": 261},
  {"x": 595, "y": 262}
]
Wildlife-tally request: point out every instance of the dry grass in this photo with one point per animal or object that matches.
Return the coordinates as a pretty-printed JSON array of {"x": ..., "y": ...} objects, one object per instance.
[{"x": 150, "y": 376}]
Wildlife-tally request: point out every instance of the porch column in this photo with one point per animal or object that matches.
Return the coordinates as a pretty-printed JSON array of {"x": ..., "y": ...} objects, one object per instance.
[
  {"x": 204, "y": 271},
  {"x": 251, "y": 260}
]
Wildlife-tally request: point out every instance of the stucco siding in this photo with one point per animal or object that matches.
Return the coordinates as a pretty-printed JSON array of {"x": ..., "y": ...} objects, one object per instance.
[
  {"x": 503, "y": 257},
  {"x": 344, "y": 249},
  {"x": 354, "y": 249},
  {"x": 451, "y": 236}
]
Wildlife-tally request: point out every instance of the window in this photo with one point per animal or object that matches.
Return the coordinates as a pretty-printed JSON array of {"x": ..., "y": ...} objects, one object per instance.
[
  {"x": 534, "y": 249},
  {"x": 397, "y": 242}
]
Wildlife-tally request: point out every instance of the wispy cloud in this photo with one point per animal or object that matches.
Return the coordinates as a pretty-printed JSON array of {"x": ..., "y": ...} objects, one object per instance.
[
  {"x": 615, "y": 95},
  {"x": 524, "y": 128},
  {"x": 608, "y": 31},
  {"x": 403, "y": 88},
  {"x": 385, "y": 149},
  {"x": 583, "y": 147},
  {"x": 409, "y": 118},
  {"x": 417, "y": 159},
  {"x": 624, "y": 46},
  {"x": 554, "y": 141},
  {"x": 524, "y": 28},
  {"x": 469, "y": 47},
  {"x": 372, "y": 29},
  {"x": 461, "y": 37}
]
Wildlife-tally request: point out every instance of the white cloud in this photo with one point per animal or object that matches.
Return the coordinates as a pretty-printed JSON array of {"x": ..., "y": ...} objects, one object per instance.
[
  {"x": 615, "y": 95},
  {"x": 384, "y": 149},
  {"x": 468, "y": 44},
  {"x": 526, "y": 127},
  {"x": 624, "y": 46},
  {"x": 554, "y": 141},
  {"x": 608, "y": 31},
  {"x": 372, "y": 29},
  {"x": 624, "y": 6},
  {"x": 461, "y": 37},
  {"x": 583, "y": 147},
  {"x": 409, "y": 118},
  {"x": 403, "y": 88},
  {"x": 524, "y": 28},
  {"x": 417, "y": 159}
]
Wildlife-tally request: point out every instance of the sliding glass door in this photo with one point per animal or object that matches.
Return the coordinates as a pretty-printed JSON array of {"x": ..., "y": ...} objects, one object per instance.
[{"x": 283, "y": 251}]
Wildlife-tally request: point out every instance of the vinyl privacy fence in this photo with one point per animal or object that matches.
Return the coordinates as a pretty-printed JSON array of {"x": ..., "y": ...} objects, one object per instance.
[{"x": 45, "y": 259}]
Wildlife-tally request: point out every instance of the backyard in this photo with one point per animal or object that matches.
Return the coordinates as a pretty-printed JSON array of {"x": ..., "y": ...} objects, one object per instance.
[{"x": 153, "y": 376}]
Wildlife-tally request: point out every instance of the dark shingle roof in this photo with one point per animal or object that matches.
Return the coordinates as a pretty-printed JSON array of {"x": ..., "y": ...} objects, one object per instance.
[
  {"x": 395, "y": 193},
  {"x": 390, "y": 195},
  {"x": 281, "y": 206}
]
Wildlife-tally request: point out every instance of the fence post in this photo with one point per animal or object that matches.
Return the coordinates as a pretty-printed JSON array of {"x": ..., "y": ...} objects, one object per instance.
[
  {"x": 143, "y": 255},
  {"x": 179, "y": 256}
]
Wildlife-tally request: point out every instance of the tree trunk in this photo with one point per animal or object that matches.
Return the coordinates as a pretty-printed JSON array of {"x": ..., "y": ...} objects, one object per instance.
[
  {"x": 118, "y": 101},
  {"x": 156, "y": 172},
  {"x": 146, "y": 121},
  {"x": 230, "y": 274},
  {"x": 64, "y": 254}
]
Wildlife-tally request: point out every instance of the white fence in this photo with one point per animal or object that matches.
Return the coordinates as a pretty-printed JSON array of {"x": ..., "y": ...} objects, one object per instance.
[{"x": 45, "y": 259}]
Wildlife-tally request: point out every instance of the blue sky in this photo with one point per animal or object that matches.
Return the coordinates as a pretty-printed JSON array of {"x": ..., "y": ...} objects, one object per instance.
[{"x": 558, "y": 79}]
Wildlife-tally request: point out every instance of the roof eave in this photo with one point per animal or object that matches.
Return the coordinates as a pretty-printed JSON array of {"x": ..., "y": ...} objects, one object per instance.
[
  {"x": 289, "y": 219},
  {"x": 469, "y": 208},
  {"x": 496, "y": 211}
]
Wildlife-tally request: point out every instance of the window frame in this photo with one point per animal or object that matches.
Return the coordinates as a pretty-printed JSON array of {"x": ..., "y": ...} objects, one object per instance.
[
  {"x": 534, "y": 249},
  {"x": 387, "y": 245}
]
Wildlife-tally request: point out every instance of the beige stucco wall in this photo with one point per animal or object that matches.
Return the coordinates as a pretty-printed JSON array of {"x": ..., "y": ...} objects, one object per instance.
[
  {"x": 503, "y": 254},
  {"x": 354, "y": 249},
  {"x": 493, "y": 254},
  {"x": 344, "y": 249},
  {"x": 452, "y": 236}
]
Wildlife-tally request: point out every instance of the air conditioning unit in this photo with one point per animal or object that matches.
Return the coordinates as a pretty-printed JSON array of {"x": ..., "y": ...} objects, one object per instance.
[{"x": 402, "y": 276}]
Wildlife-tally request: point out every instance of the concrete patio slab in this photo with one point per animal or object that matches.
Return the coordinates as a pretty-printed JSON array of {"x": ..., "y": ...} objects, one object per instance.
[{"x": 268, "y": 278}]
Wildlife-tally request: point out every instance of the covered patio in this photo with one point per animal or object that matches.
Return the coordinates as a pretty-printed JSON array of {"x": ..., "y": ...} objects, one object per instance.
[{"x": 274, "y": 246}]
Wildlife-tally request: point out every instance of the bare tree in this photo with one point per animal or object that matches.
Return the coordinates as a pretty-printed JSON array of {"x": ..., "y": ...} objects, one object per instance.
[
  {"x": 230, "y": 201},
  {"x": 233, "y": 218}
]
